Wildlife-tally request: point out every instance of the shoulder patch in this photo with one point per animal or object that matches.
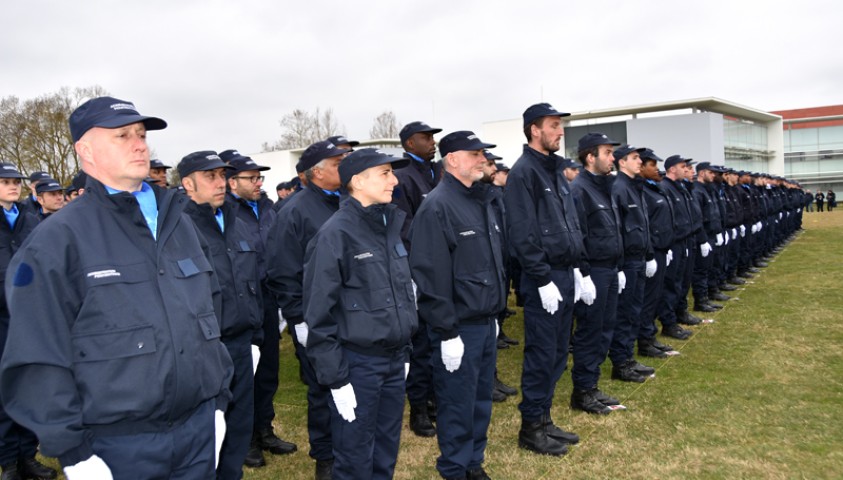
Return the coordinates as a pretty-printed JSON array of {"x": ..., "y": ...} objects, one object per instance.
[{"x": 23, "y": 276}]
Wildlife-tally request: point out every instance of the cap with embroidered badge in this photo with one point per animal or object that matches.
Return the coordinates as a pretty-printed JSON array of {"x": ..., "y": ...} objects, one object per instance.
[
  {"x": 502, "y": 167},
  {"x": 239, "y": 163},
  {"x": 341, "y": 140},
  {"x": 539, "y": 110},
  {"x": 568, "y": 163},
  {"x": 594, "y": 139},
  {"x": 491, "y": 156},
  {"x": 413, "y": 128},
  {"x": 316, "y": 153},
  {"x": 625, "y": 150},
  {"x": 649, "y": 154},
  {"x": 199, "y": 162},
  {"x": 37, "y": 176},
  {"x": 48, "y": 185},
  {"x": 461, "y": 140},
  {"x": 155, "y": 163},
  {"x": 7, "y": 170},
  {"x": 675, "y": 160},
  {"x": 361, "y": 160},
  {"x": 108, "y": 112},
  {"x": 704, "y": 166}
]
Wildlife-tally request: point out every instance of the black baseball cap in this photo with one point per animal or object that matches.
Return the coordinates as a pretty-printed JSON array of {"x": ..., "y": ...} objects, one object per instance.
[
  {"x": 7, "y": 170},
  {"x": 461, "y": 140},
  {"x": 48, "y": 185},
  {"x": 37, "y": 176},
  {"x": 501, "y": 167},
  {"x": 705, "y": 166},
  {"x": 413, "y": 128},
  {"x": 649, "y": 154},
  {"x": 78, "y": 182},
  {"x": 541, "y": 110},
  {"x": 316, "y": 153},
  {"x": 108, "y": 112},
  {"x": 625, "y": 150},
  {"x": 199, "y": 162},
  {"x": 568, "y": 163},
  {"x": 491, "y": 156},
  {"x": 674, "y": 160},
  {"x": 155, "y": 163},
  {"x": 364, "y": 159},
  {"x": 593, "y": 139},
  {"x": 341, "y": 140},
  {"x": 240, "y": 163}
]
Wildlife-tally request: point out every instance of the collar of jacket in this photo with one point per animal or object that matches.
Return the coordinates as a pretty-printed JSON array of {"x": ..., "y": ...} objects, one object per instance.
[
  {"x": 207, "y": 213},
  {"x": 478, "y": 191},
  {"x": 550, "y": 162},
  {"x": 374, "y": 214},
  {"x": 332, "y": 199}
]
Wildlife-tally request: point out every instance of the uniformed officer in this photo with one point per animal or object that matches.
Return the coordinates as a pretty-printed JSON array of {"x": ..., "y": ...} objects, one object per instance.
[
  {"x": 244, "y": 181},
  {"x": 457, "y": 262},
  {"x": 639, "y": 263},
  {"x": 158, "y": 172},
  {"x": 296, "y": 224},
  {"x": 50, "y": 195},
  {"x": 415, "y": 181},
  {"x": 236, "y": 265},
  {"x": 132, "y": 380},
  {"x": 707, "y": 237},
  {"x": 572, "y": 169},
  {"x": 545, "y": 238},
  {"x": 18, "y": 444},
  {"x": 30, "y": 204},
  {"x": 359, "y": 305}
]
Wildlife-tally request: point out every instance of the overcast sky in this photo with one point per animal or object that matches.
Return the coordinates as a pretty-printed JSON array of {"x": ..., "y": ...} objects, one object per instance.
[{"x": 223, "y": 73}]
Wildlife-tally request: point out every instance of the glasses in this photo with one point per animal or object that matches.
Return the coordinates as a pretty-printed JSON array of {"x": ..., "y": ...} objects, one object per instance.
[{"x": 255, "y": 179}]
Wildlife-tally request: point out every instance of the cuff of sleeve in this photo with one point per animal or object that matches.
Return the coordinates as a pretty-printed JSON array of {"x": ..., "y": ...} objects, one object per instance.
[
  {"x": 449, "y": 334},
  {"x": 76, "y": 455},
  {"x": 294, "y": 320},
  {"x": 339, "y": 384},
  {"x": 222, "y": 401}
]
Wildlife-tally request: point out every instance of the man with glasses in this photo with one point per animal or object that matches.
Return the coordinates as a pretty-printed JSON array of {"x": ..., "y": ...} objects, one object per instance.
[{"x": 244, "y": 191}]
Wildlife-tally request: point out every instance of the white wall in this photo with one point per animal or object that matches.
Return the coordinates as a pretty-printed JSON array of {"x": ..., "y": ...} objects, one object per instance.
[
  {"x": 698, "y": 136},
  {"x": 508, "y": 135},
  {"x": 282, "y": 168}
]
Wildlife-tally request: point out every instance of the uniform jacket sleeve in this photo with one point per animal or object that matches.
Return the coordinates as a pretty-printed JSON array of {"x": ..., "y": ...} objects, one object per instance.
[
  {"x": 523, "y": 229},
  {"x": 286, "y": 249}
]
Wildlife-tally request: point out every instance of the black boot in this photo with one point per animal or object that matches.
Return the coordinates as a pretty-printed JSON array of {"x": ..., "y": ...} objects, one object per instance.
[
  {"x": 533, "y": 437},
  {"x": 324, "y": 469},
  {"x": 557, "y": 433},
  {"x": 506, "y": 389},
  {"x": 719, "y": 296},
  {"x": 701, "y": 305},
  {"x": 677, "y": 332},
  {"x": 420, "y": 422},
  {"x": 646, "y": 348},
  {"x": 727, "y": 287},
  {"x": 267, "y": 440},
  {"x": 662, "y": 346},
  {"x": 32, "y": 468},
  {"x": 626, "y": 372},
  {"x": 498, "y": 396},
  {"x": 586, "y": 401},
  {"x": 254, "y": 457},
  {"x": 477, "y": 474}
]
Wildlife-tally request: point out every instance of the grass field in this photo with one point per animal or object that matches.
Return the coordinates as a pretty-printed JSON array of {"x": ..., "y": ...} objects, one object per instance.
[{"x": 757, "y": 394}]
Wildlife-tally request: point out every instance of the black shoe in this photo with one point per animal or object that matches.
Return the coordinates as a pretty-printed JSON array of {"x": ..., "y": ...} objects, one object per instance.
[
  {"x": 502, "y": 344},
  {"x": 477, "y": 474},
  {"x": 649, "y": 350},
  {"x": 715, "y": 306},
  {"x": 552, "y": 431},
  {"x": 736, "y": 280},
  {"x": 720, "y": 297},
  {"x": 686, "y": 318},
  {"x": 420, "y": 422},
  {"x": 498, "y": 396},
  {"x": 509, "y": 340},
  {"x": 254, "y": 457},
  {"x": 586, "y": 401},
  {"x": 267, "y": 440},
  {"x": 761, "y": 264},
  {"x": 699, "y": 307},
  {"x": 509, "y": 312},
  {"x": 677, "y": 332},
  {"x": 506, "y": 389},
  {"x": 662, "y": 346},
  {"x": 753, "y": 270},
  {"x": 643, "y": 369},
  {"x": 727, "y": 287},
  {"x": 30, "y": 468},
  {"x": 533, "y": 437},
  {"x": 625, "y": 372},
  {"x": 324, "y": 469},
  {"x": 10, "y": 472},
  {"x": 605, "y": 399},
  {"x": 745, "y": 274}
]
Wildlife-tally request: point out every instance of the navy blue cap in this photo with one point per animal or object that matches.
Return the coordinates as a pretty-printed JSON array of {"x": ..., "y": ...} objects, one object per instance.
[
  {"x": 461, "y": 140},
  {"x": 37, "y": 176},
  {"x": 341, "y": 140},
  {"x": 649, "y": 154},
  {"x": 568, "y": 163},
  {"x": 364, "y": 159},
  {"x": 541, "y": 110},
  {"x": 501, "y": 167},
  {"x": 625, "y": 150},
  {"x": 48, "y": 185},
  {"x": 717, "y": 169},
  {"x": 78, "y": 182},
  {"x": 413, "y": 128},
  {"x": 199, "y": 162},
  {"x": 316, "y": 153},
  {"x": 155, "y": 163},
  {"x": 675, "y": 159},
  {"x": 239, "y": 163},
  {"x": 594, "y": 139},
  {"x": 108, "y": 112},
  {"x": 7, "y": 170},
  {"x": 491, "y": 156},
  {"x": 704, "y": 166}
]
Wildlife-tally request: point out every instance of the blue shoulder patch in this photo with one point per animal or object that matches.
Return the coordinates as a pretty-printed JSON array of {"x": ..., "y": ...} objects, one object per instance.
[{"x": 23, "y": 275}]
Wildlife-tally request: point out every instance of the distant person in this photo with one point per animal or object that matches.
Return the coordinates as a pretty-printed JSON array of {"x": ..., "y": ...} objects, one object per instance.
[
  {"x": 50, "y": 196},
  {"x": 820, "y": 198},
  {"x": 158, "y": 172},
  {"x": 809, "y": 204},
  {"x": 831, "y": 199}
]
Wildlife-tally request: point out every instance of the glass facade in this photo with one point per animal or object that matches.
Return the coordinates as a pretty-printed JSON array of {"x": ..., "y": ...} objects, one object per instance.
[
  {"x": 614, "y": 130},
  {"x": 745, "y": 145},
  {"x": 814, "y": 156}
]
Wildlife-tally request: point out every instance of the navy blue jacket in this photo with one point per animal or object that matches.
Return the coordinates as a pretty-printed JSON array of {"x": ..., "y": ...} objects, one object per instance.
[
  {"x": 541, "y": 218},
  {"x": 457, "y": 256},
  {"x": 112, "y": 331},
  {"x": 257, "y": 227},
  {"x": 599, "y": 220},
  {"x": 628, "y": 195},
  {"x": 677, "y": 194},
  {"x": 358, "y": 293},
  {"x": 710, "y": 213},
  {"x": 297, "y": 222},
  {"x": 10, "y": 240},
  {"x": 661, "y": 216},
  {"x": 415, "y": 181},
  {"x": 236, "y": 265}
]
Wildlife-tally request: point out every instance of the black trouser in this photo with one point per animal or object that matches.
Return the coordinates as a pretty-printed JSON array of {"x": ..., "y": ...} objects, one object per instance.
[{"x": 266, "y": 376}]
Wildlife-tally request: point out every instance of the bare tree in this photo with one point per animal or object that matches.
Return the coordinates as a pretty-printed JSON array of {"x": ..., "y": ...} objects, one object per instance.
[
  {"x": 34, "y": 134},
  {"x": 385, "y": 126},
  {"x": 301, "y": 128}
]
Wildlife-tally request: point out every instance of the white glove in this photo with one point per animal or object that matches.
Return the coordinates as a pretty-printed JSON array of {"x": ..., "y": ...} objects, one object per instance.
[
  {"x": 651, "y": 268},
  {"x": 743, "y": 231},
  {"x": 760, "y": 226},
  {"x": 621, "y": 282},
  {"x": 718, "y": 240},
  {"x": 752, "y": 229},
  {"x": 92, "y": 468},
  {"x": 589, "y": 291},
  {"x": 301, "y": 333},
  {"x": 282, "y": 323},
  {"x": 415, "y": 293},
  {"x": 705, "y": 249},
  {"x": 687, "y": 254},
  {"x": 735, "y": 234},
  {"x": 497, "y": 329},
  {"x": 668, "y": 258},
  {"x": 219, "y": 435},
  {"x": 346, "y": 402},
  {"x": 256, "y": 357},
  {"x": 550, "y": 298},
  {"x": 577, "y": 285},
  {"x": 780, "y": 215},
  {"x": 452, "y": 351},
  {"x": 798, "y": 210},
  {"x": 406, "y": 371},
  {"x": 726, "y": 237}
]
